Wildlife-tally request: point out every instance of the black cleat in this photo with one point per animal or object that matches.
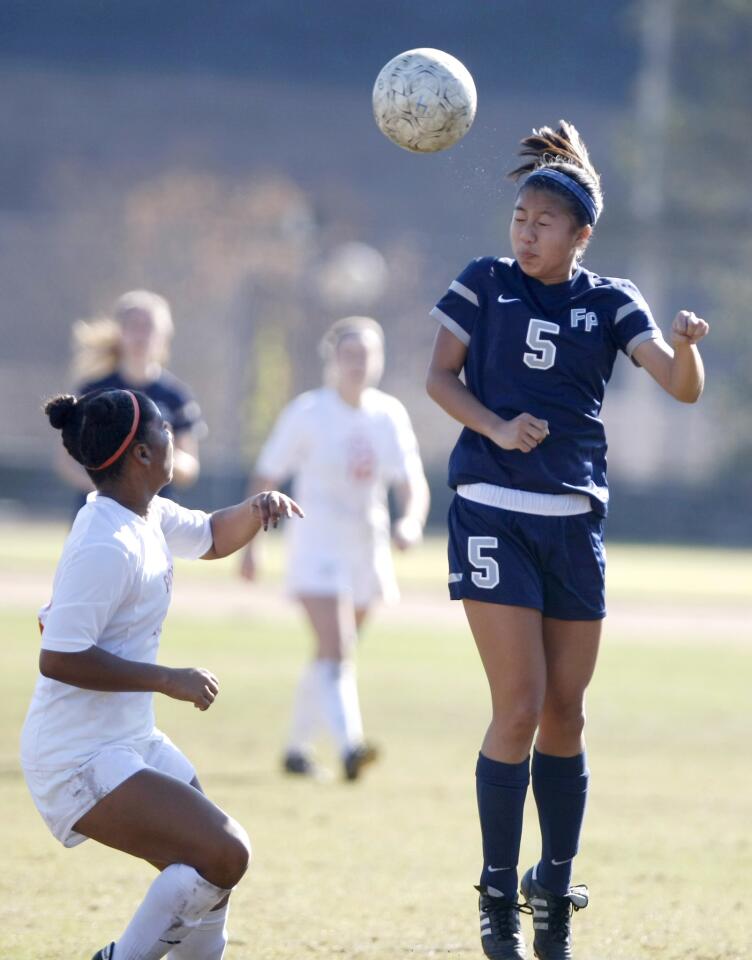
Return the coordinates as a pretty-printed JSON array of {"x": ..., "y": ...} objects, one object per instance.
[
  {"x": 500, "y": 934},
  {"x": 298, "y": 763},
  {"x": 552, "y": 917},
  {"x": 357, "y": 758},
  {"x": 106, "y": 953}
]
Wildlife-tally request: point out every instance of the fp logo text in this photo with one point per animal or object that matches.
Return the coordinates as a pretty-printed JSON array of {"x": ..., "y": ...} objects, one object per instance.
[{"x": 581, "y": 315}]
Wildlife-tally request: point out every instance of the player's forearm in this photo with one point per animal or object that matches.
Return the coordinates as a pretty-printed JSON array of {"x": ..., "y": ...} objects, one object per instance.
[
  {"x": 687, "y": 377},
  {"x": 445, "y": 388},
  {"x": 413, "y": 500},
  {"x": 232, "y": 528},
  {"x": 96, "y": 669}
]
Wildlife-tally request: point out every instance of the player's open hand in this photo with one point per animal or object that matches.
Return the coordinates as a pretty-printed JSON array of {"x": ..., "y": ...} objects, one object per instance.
[
  {"x": 687, "y": 328},
  {"x": 271, "y": 505},
  {"x": 194, "y": 684},
  {"x": 523, "y": 433}
]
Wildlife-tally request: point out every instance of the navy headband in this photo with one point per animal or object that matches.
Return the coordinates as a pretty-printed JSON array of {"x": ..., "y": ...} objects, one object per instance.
[{"x": 584, "y": 198}]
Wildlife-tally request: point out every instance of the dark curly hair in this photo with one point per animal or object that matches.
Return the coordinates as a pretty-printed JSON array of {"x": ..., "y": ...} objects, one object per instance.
[
  {"x": 95, "y": 425},
  {"x": 561, "y": 150}
]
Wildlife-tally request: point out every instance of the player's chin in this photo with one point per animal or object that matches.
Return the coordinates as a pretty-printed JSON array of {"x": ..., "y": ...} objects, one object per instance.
[{"x": 530, "y": 265}]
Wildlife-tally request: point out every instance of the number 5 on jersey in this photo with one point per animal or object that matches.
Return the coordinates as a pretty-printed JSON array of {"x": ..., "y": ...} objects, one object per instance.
[
  {"x": 486, "y": 574},
  {"x": 544, "y": 355}
]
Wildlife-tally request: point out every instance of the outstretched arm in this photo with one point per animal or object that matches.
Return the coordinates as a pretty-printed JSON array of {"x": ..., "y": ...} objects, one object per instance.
[
  {"x": 677, "y": 368},
  {"x": 444, "y": 386},
  {"x": 234, "y": 527}
]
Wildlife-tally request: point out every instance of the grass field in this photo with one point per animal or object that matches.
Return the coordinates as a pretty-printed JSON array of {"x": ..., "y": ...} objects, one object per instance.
[{"x": 383, "y": 869}]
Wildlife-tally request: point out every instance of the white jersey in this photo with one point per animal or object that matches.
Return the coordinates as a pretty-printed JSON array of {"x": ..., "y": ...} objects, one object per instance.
[
  {"x": 342, "y": 460},
  {"x": 112, "y": 589}
]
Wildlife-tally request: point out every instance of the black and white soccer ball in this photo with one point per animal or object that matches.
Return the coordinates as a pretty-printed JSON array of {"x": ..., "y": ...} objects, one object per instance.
[{"x": 424, "y": 100}]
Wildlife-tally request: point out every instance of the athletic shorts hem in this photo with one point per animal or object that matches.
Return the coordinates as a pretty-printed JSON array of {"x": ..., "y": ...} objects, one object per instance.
[
  {"x": 64, "y": 795},
  {"x": 588, "y": 615},
  {"x": 512, "y": 602}
]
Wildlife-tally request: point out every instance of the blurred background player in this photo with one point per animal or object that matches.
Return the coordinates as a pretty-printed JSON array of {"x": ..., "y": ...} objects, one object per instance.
[
  {"x": 537, "y": 338},
  {"x": 128, "y": 352},
  {"x": 94, "y": 761},
  {"x": 343, "y": 445}
]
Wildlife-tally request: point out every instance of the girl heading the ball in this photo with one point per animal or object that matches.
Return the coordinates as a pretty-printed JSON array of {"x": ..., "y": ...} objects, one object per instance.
[{"x": 537, "y": 337}]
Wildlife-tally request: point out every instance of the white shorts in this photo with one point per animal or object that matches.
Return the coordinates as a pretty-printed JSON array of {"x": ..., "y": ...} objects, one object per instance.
[
  {"x": 322, "y": 569},
  {"x": 64, "y": 796}
]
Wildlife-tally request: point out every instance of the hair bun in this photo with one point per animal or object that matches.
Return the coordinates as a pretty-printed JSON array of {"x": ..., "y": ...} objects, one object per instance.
[{"x": 60, "y": 409}]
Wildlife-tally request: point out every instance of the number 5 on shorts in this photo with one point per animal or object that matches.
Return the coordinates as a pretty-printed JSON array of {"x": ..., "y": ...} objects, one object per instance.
[{"x": 487, "y": 573}]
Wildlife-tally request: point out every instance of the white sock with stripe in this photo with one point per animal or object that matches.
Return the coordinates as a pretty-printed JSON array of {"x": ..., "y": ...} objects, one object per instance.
[
  {"x": 174, "y": 905},
  {"x": 207, "y": 941}
]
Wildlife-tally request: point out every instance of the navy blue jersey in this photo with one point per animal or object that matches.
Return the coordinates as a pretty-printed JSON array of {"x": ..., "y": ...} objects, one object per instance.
[
  {"x": 547, "y": 350},
  {"x": 175, "y": 401}
]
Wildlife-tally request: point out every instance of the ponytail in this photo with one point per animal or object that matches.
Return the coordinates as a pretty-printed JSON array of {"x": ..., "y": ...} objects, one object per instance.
[{"x": 550, "y": 152}]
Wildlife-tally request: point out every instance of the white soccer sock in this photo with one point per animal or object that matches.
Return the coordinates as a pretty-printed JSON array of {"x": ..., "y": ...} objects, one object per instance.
[
  {"x": 306, "y": 715},
  {"x": 207, "y": 941},
  {"x": 338, "y": 696},
  {"x": 173, "y": 906}
]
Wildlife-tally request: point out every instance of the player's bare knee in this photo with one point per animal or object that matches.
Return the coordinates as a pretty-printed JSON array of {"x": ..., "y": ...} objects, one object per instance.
[
  {"x": 516, "y": 725},
  {"x": 564, "y": 717},
  {"x": 231, "y": 855},
  {"x": 238, "y": 856}
]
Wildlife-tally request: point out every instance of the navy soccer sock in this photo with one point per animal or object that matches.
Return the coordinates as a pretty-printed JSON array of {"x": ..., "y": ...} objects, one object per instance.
[
  {"x": 501, "y": 789},
  {"x": 560, "y": 788}
]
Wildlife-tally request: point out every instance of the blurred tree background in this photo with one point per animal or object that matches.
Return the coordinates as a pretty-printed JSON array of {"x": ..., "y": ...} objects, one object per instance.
[{"x": 225, "y": 156}]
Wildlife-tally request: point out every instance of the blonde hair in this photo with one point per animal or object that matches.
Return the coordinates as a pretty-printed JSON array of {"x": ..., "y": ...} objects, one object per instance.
[
  {"x": 348, "y": 327},
  {"x": 147, "y": 302},
  {"x": 97, "y": 343}
]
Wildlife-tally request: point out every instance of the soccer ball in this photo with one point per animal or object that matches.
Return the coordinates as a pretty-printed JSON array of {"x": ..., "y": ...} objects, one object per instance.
[{"x": 424, "y": 100}]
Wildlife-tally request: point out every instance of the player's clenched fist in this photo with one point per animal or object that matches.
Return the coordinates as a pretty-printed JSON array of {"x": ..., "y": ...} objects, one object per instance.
[
  {"x": 523, "y": 433},
  {"x": 687, "y": 328},
  {"x": 194, "y": 684}
]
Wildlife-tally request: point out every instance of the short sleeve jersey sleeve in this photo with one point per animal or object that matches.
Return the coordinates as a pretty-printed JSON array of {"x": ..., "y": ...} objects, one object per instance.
[
  {"x": 459, "y": 308},
  {"x": 178, "y": 405},
  {"x": 91, "y": 585},
  {"x": 188, "y": 533},
  {"x": 281, "y": 455},
  {"x": 633, "y": 322},
  {"x": 403, "y": 456}
]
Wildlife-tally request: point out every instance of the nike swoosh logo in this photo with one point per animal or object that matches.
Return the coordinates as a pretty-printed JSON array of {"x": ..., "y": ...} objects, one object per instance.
[
  {"x": 558, "y": 863},
  {"x": 511, "y": 300},
  {"x": 497, "y": 869}
]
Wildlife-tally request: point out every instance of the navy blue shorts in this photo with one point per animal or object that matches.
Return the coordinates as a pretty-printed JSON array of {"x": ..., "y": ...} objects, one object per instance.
[{"x": 554, "y": 564}]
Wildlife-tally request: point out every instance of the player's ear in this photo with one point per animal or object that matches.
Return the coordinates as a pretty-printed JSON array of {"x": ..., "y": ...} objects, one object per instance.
[
  {"x": 142, "y": 453},
  {"x": 583, "y": 235}
]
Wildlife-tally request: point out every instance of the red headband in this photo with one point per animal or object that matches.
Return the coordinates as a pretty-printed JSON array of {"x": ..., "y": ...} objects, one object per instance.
[{"x": 131, "y": 434}]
